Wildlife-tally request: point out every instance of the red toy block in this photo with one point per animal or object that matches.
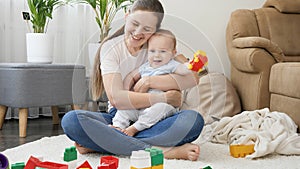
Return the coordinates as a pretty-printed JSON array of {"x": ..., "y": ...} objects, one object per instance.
[
  {"x": 52, "y": 165},
  {"x": 85, "y": 165},
  {"x": 32, "y": 163},
  {"x": 108, "y": 162}
]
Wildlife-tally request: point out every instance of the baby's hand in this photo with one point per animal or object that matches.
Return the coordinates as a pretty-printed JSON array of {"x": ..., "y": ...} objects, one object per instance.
[{"x": 142, "y": 85}]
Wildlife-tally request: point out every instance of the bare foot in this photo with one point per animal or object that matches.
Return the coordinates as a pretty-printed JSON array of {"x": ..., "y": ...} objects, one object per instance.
[
  {"x": 130, "y": 131},
  {"x": 82, "y": 150},
  {"x": 118, "y": 128},
  {"x": 187, "y": 151}
]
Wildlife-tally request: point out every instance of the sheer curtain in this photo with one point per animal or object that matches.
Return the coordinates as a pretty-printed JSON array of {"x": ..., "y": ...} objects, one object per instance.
[{"x": 74, "y": 26}]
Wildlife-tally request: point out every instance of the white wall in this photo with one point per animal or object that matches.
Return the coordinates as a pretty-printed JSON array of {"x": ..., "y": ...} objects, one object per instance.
[
  {"x": 209, "y": 18},
  {"x": 198, "y": 24}
]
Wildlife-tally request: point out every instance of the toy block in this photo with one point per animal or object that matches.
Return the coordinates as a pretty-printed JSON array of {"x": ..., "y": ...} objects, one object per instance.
[
  {"x": 52, "y": 165},
  {"x": 40, "y": 168},
  {"x": 241, "y": 150},
  {"x": 157, "y": 157},
  {"x": 199, "y": 61},
  {"x": 70, "y": 154},
  {"x": 140, "y": 159},
  {"x": 19, "y": 165},
  {"x": 109, "y": 162},
  {"x": 207, "y": 167},
  {"x": 85, "y": 165},
  {"x": 140, "y": 168},
  {"x": 32, "y": 163},
  {"x": 158, "y": 167},
  {"x": 4, "y": 163}
]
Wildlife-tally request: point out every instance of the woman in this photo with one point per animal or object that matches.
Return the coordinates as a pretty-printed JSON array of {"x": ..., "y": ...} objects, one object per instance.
[{"x": 119, "y": 55}]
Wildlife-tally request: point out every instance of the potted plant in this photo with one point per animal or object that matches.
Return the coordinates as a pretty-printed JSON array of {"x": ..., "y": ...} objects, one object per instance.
[
  {"x": 105, "y": 11},
  {"x": 39, "y": 43}
]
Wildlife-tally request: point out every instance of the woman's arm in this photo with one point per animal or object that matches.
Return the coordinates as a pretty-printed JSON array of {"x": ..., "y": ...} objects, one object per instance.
[
  {"x": 168, "y": 82},
  {"x": 124, "y": 99}
]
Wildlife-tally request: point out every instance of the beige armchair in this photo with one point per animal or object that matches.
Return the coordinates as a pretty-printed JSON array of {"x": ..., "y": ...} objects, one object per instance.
[{"x": 264, "y": 49}]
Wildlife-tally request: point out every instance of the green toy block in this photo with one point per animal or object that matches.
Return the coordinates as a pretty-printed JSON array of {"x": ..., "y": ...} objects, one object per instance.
[
  {"x": 70, "y": 154},
  {"x": 207, "y": 167},
  {"x": 20, "y": 165},
  {"x": 157, "y": 157}
]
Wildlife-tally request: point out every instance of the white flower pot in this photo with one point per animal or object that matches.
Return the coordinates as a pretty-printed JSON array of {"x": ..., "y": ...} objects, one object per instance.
[{"x": 39, "y": 47}]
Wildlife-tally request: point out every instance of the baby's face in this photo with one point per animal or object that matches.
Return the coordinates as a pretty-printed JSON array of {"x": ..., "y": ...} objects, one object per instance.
[{"x": 160, "y": 50}]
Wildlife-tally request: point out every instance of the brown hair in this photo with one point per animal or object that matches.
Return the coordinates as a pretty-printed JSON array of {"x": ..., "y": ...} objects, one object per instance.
[
  {"x": 144, "y": 5},
  {"x": 166, "y": 33}
]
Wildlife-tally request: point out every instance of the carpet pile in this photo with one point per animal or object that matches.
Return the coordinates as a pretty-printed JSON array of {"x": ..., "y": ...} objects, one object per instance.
[{"x": 215, "y": 155}]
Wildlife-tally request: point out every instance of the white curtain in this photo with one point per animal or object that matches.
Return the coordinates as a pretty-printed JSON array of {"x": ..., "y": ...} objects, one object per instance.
[{"x": 74, "y": 26}]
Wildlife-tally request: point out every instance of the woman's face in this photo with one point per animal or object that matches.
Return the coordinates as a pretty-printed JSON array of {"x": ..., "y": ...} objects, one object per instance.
[{"x": 139, "y": 26}]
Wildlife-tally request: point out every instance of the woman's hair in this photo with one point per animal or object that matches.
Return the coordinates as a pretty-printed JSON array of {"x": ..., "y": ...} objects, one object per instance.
[{"x": 143, "y": 5}]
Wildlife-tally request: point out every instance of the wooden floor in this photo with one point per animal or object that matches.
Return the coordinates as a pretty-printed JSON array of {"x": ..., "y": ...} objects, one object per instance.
[{"x": 36, "y": 129}]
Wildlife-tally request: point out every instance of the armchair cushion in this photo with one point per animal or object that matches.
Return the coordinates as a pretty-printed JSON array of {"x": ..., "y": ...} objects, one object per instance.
[
  {"x": 260, "y": 42},
  {"x": 286, "y": 6}
]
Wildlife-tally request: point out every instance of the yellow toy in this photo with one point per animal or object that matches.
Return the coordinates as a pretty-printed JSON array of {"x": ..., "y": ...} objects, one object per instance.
[
  {"x": 199, "y": 61},
  {"x": 241, "y": 150}
]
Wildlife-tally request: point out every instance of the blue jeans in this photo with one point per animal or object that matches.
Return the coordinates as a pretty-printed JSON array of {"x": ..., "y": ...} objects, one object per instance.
[{"x": 91, "y": 130}]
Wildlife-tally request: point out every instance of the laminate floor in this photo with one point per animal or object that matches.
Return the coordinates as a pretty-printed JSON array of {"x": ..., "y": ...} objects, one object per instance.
[{"x": 36, "y": 129}]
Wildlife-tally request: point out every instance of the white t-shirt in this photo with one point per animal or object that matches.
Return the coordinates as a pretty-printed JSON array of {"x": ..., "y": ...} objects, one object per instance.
[{"x": 115, "y": 57}]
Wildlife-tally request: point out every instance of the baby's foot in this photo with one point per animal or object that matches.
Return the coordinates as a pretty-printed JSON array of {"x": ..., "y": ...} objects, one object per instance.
[
  {"x": 130, "y": 131},
  {"x": 187, "y": 151},
  {"x": 82, "y": 150},
  {"x": 118, "y": 128}
]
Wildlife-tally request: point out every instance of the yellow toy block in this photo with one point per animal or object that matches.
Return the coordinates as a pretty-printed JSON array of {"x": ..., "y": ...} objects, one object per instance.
[
  {"x": 241, "y": 150},
  {"x": 158, "y": 167}
]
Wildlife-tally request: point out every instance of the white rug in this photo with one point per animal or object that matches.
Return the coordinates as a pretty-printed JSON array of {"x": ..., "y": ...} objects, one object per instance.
[{"x": 215, "y": 155}]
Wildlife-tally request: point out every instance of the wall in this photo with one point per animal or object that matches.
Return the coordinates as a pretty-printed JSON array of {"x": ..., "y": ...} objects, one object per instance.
[
  {"x": 198, "y": 24},
  {"x": 209, "y": 17}
]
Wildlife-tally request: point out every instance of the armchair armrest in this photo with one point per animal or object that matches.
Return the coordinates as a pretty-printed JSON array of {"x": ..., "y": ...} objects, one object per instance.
[
  {"x": 260, "y": 42},
  {"x": 251, "y": 60}
]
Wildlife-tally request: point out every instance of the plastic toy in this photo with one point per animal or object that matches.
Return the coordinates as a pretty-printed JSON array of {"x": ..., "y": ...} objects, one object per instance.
[
  {"x": 157, "y": 157},
  {"x": 85, "y": 165},
  {"x": 241, "y": 150},
  {"x": 150, "y": 158},
  {"x": 140, "y": 159},
  {"x": 19, "y": 165},
  {"x": 70, "y": 154},
  {"x": 34, "y": 162},
  {"x": 199, "y": 61},
  {"x": 207, "y": 167},
  {"x": 4, "y": 164},
  {"x": 108, "y": 162}
]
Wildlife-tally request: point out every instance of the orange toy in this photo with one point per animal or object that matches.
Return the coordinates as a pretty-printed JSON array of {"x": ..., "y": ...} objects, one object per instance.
[
  {"x": 199, "y": 61},
  {"x": 241, "y": 150}
]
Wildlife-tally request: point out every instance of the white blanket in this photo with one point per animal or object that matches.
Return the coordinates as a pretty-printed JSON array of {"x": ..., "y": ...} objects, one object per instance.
[{"x": 269, "y": 131}]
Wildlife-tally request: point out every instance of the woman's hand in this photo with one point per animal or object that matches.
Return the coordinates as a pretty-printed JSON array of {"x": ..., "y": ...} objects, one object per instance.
[
  {"x": 142, "y": 85},
  {"x": 173, "y": 97}
]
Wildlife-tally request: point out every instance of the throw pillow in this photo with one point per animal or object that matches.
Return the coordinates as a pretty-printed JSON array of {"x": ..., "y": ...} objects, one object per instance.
[{"x": 214, "y": 97}]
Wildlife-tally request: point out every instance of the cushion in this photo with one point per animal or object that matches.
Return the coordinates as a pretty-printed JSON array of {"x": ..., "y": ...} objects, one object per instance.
[
  {"x": 214, "y": 97},
  {"x": 284, "y": 6}
]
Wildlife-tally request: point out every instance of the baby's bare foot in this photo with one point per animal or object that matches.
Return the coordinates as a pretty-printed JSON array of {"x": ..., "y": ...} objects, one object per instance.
[
  {"x": 82, "y": 150},
  {"x": 130, "y": 131},
  {"x": 118, "y": 128},
  {"x": 187, "y": 151}
]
